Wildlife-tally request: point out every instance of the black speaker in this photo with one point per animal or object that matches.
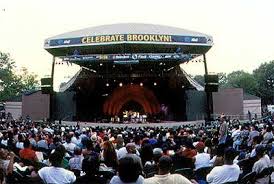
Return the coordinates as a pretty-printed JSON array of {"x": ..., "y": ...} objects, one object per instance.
[
  {"x": 211, "y": 87},
  {"x": 211, "y": 79},
  {"x": 46, "y": 85}
]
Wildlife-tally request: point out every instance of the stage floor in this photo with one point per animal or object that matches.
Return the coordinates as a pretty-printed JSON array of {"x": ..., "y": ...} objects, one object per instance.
[{"x": 168, "y": 124}]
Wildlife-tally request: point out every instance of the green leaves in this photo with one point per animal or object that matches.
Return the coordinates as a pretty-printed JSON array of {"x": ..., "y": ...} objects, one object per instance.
[{"x": 11, "y": 83}]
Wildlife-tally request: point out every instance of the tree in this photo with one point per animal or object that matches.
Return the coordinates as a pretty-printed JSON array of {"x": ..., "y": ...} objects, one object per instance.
[
  {"x": 222, "y": 79},
  {"x": 12, "y": 84},
  {"x": 241, "y": 79},
  {"x": 264, "y": 75}
]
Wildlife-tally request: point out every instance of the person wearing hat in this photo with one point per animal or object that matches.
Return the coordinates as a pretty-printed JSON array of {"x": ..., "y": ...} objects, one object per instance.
[
  {"x": 262, "y": 163},
  {"x": 188, "y": 151},
  {"x": 202, "y": 159}
]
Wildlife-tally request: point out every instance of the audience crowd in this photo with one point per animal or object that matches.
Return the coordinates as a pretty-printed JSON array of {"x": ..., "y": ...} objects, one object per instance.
[{"x": 222, "y": 151}]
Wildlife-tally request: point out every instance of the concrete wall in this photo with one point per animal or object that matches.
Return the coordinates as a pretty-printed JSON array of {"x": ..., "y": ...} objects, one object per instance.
[
  {"x": 36, "y": 105},
  {"x": 254, "y": 107},
  {"x": 229, "y": 101},
  {"x": 15, "y": 108}
]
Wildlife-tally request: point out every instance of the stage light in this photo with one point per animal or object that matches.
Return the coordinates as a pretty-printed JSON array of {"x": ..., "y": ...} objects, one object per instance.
[
  {"x": 107, "y": 84},
  {"x": 141, "y": 84},
  {"x": 101, "y": 64},
  {"x": 155, "y": 84},
  {"x": 120, "y": 84}
]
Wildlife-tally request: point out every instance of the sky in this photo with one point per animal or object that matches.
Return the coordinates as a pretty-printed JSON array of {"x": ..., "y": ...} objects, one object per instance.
[{"x": 242, "y": 30}]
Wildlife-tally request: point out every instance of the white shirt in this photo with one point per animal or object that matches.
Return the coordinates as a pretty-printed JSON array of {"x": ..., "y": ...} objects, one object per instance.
[
  {"x": 259, "y": 166},
  {"x": 75, "y": 140},
  {"x": 117, "y": 180},
  {"x": 122, "y": 152},
  {"x": 19, "y": 145},
  {"x": 76, "y": 162},
  {"x": 202, "y": 160},
  {"x": 223, "y": 174},
  {"x": 69, "y": 146},
  {"x": 56, "y": 175},
  {"x": 167, "y": 179}
]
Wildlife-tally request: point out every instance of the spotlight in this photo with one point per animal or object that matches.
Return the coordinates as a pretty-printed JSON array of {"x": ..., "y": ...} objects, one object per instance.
[
  {"x": 141, "y": 84},
  {"x": 107, "y": 84},
  {"x": 155, "y": 84},
  {"x": 120, "y": 84}
]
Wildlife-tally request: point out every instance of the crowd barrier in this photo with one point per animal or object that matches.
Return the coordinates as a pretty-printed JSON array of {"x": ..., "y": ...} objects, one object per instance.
[{"x": 168, "y": 124}]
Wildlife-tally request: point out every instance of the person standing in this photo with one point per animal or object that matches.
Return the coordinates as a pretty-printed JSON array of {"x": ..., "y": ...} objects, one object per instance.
[{"x": 223, "y": 130}]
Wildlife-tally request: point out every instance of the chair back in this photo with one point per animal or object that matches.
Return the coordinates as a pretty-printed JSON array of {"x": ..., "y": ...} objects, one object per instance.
[
  {"x": 186, "y": 172},
  {"x": 248, "y": 178},
  {"x": 202, "y": 173}
]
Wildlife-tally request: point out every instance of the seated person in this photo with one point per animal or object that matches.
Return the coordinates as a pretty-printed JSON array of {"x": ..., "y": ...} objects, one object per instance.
[
  {"x": 27, "y": 153},
  {"x": 228, "y": 172},
  {"x": 129, "y": 171},
  {"x": 75, "y": 163},
  {"x": 6, "y": 160},
  {"x": 90, "y": 166},
  {"x": 164, "y": 176},
  {"x": 262, "y": 163},
  {"x": 152, "y": 168},
  {"x": 55, "y": 173},
  {"x": 201, "y": 159}
]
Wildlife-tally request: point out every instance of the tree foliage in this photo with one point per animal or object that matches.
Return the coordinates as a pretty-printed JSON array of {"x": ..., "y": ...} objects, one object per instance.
[
  {"x": 264, "y": 76},
  {"x": 12, "y": 83},
  {"x": 241, "y": 79}
]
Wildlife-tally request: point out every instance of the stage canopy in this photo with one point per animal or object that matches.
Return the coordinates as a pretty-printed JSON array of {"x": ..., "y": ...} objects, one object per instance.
[{"x": 128, "y": 38}]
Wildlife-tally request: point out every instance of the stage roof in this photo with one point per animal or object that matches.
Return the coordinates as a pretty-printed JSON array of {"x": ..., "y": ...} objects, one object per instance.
[{"x": 128, "y": 38}]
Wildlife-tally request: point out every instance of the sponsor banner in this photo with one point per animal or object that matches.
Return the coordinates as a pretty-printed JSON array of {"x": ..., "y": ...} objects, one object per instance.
[
  {"x": 128, "y": 57},
  {"x": 135, "y": 38}
]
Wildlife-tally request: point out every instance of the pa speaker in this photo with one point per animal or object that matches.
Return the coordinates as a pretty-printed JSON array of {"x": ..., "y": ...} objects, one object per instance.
[
  {"x": 211, "y": 87},
  {"x": 211, "y": 79},
  {"x": 46, "y": 85}
]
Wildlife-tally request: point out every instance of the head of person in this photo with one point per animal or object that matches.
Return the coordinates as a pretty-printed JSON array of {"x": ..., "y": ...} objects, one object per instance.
[
  {"x": 77, "y": 150},
  {"x": 131, "y": 149},
  {"x": 89, "y": 145},
  {"x": 55, "y": 158},
  {"x": 90, "y": 165},
  {"x": 260, "y": 151},
  {"x": 220, "y": 151},
  {"x": 61, "y": 149},
  {"x": 27, "y": 144},
  {"x": 164, "y": 165},
  {"x": 200, "y": 146},
  {"x": 129, "y": 169},
  {"x": 157, "y": 154},
  {"x": 229, "y": 156},
  {"x": 68, "y": 138},
  {"x": 109, "y": 153},
  {"x": 146, "y": 153}
]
